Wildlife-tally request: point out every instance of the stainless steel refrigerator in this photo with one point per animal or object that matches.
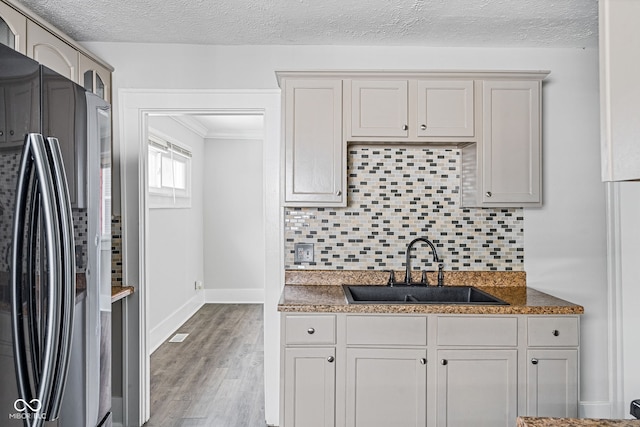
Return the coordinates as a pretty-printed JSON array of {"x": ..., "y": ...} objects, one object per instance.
[{"x": 55, "y": 249}]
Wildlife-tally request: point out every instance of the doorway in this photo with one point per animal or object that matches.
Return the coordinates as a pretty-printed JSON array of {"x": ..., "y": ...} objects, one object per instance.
[{"x": 136, "y": 108}]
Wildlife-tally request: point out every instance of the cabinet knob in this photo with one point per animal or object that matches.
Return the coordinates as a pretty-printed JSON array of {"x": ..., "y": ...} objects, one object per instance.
[
  {"x": 311, "y": 331},
  {"x": 338, "y": 192},
  {"x": 423, "y": 361},
  {"x": 330, "y": 359},
  {"x": 11, "y": 132},
  {"x": 444, "y": 362},
  {"x": 534, "y": 361},
  {"x": 488, "y": 194},
  {"x": 405, "y": 127},
  {"x": 555, "y": 332},
  {"x": 423, "y": 127},
  {"x": 1, "y": 133}
]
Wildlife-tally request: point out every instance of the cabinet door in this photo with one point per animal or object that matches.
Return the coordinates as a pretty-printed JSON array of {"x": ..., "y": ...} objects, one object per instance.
[
  {"x": 445, "y": 108},
  {"x": 309, "y": 384},
  {"x": 619, "y": 89},
  {"x": 379, "y": 108},
  {"x": 13, "y": 28},
  {"x": 511, "y": 148},
  {"x": 386, "y": 387},
  {"x": 552, "y": 383},
  {"x": 94, "y": 77},
  {"x": 476, "y": 388},
  {"x": 51, "y": 51},
  {"x": 314, "y": 157}
]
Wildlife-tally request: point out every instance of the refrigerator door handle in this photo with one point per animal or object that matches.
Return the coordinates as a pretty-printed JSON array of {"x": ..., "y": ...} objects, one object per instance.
[
  {"x": 68, "y": 268},
  {"x": 35, "y": 154},
  {"x": 17, "y": 314},
  {"x": 33, "y": 296}
]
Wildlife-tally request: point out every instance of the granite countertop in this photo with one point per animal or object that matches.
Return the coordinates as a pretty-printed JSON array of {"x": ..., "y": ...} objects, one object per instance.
[
  {"x": 574, "y": 422},
  {"x": 321, "y": 291},
  {"x": 119, "y": 292}
]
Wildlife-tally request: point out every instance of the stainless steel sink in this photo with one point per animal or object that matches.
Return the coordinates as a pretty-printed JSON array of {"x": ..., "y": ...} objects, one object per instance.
[{"x": 403, "y": 294}]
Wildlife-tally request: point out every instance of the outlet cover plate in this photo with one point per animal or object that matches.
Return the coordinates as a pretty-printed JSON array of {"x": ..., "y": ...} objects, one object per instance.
[{"x": 303, "y": 252}]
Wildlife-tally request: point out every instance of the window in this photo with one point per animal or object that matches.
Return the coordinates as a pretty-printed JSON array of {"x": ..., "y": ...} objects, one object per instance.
[{"x": 169, "y": 174}]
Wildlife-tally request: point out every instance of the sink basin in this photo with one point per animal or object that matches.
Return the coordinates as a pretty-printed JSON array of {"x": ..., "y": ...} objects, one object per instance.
[{"x": 403, "y": 294}]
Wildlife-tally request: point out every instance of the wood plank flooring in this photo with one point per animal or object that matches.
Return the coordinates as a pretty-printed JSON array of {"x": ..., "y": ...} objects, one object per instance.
[{"x": 215, "y": 378}]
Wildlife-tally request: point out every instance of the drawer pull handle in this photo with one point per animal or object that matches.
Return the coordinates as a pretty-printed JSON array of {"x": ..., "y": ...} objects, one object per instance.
[
  {"x": 330, "y": 359},
  {"x": 534, "y": 361},
  {"x": 311, "y": 331},
  {"x": 555, "y": 332},
  {"x": 423, "y": 361},
  {"x": 444, "y": 362},
  {"x": 423, "y": 127}
]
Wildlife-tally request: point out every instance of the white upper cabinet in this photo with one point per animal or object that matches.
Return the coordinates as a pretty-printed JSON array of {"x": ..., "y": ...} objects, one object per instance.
[
  {"x": 445, "y": 108},
  {"x": 493, "y": 117},
  {"x": 13, "y": 28},
  {"x": 315, "y": 172},
  {"x": 51, "y": 51},
  {"x": 379, "y": 108},
  {"x": 619, "y": 89},
  {"x": 94, "y": 77},
  {"x": 510, "y": 150},
  {"x": 414, "y": 110}
]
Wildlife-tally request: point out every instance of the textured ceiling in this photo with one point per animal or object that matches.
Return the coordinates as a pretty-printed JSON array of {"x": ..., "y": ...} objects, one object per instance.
[{"x": 470, "y": 23}]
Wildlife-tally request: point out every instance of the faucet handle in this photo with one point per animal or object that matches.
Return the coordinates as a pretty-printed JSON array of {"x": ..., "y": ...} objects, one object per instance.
[
  {"x": 392, "y": 278},
  {"x": 424, "y": 280}
]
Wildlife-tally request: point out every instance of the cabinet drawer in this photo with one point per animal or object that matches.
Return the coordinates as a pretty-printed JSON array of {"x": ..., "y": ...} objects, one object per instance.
[
  {"x": 387, "y": 330},
  {"x": 553, "y": 331},
  {"x": 479, "y": 331},
  {"x": 311, "y": 329}
]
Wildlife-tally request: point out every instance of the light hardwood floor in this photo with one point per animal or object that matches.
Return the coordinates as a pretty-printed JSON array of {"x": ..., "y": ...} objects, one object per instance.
[{"x": 215, "y": 377}]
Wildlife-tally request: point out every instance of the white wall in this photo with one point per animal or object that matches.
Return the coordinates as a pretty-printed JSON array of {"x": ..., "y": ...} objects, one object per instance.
[
  {"x": 233, "y": 221},
  {"x": 565, "y": 244},
  {"x": 175, "y": 248}
]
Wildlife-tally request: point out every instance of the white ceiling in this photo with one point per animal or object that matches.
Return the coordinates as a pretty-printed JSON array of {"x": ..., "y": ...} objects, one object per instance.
[{"x": 470, "y": 23}]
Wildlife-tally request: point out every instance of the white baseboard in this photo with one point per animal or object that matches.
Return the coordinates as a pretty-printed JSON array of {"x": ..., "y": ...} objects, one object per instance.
[
  {"x": 594, "y": 409},
  {"x": 168, "y": 326},
  {"x": 234, "y": 296}
]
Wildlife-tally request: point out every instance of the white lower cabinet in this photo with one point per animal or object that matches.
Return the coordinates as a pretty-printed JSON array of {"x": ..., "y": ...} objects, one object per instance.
[
  {"x": 476, "y": 387},
  {"x": 551, "y": 383},
  {"x": 309, "y": 385},
  {"x": 386, "y": 387},
  {"x": 430, "y": 370}
]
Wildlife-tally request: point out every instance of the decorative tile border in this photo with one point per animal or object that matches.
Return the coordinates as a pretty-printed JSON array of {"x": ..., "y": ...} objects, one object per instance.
[{"x": 395, "y": 195}]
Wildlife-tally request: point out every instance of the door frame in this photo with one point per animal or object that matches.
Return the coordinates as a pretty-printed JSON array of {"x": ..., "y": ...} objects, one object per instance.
[{"x": 135, "y": 107}]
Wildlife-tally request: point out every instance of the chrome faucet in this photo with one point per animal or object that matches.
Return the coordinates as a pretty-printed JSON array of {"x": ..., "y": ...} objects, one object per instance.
[{"x": 407, "y": 277}]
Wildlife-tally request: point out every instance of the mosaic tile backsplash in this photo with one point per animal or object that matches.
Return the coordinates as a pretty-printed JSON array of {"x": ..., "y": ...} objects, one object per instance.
[
  {"x": 116, "y": 250},
  {"x": 395, "y": 195}
]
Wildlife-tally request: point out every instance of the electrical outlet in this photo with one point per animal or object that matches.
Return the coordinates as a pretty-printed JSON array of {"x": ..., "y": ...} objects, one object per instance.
[
  {"x": 303, "y": 252},
  {"x": 199, "y": 285}
]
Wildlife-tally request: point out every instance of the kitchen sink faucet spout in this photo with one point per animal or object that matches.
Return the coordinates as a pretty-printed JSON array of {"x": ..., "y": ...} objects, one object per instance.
[{"x": 407, "y": 277}]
